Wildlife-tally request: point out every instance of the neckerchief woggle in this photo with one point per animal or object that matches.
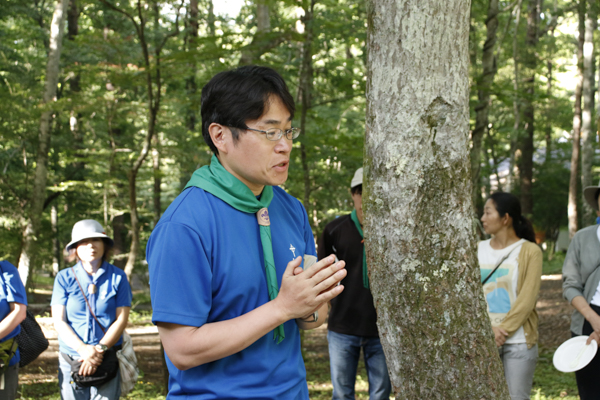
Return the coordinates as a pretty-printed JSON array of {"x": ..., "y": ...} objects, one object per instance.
[
  {"x": 219, "y": 182},
  {"x": 365, "y": 273},
  {"x": 91, "y": 285}
]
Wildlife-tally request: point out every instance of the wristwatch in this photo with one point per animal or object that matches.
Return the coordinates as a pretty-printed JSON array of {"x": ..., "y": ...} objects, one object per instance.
[
  {"x": 101, "y": 347},
  {"x": 315, "y": 317}
]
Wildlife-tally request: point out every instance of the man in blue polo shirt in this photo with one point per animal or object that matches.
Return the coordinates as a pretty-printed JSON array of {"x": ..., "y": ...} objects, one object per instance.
[{"x": 228, "y": 291}]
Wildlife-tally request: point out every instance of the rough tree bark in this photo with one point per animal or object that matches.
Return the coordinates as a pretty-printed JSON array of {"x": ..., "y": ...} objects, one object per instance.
[
  {"x": 572, "y": 207},
  {"x": 34, "y": 218},
  {"x": 419, "y": 232},
  {"x": 589, "y": 81},
  {"x": 484, "y": 85}
]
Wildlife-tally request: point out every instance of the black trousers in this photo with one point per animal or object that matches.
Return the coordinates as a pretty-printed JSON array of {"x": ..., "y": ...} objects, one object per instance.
[{"x": 588, "y": 378}]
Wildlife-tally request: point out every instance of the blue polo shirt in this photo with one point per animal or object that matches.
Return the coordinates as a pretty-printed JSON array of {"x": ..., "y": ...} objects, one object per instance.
[
  {"x": 206, "y": 265},
  {"x": 11, "y": 291},
  {"x": 113, "y": 291}
]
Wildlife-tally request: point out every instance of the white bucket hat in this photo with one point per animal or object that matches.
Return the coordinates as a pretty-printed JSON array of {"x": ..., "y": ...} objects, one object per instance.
[
  {"x": 87, "y": 229},
  {"x": 357, "y": 179}
]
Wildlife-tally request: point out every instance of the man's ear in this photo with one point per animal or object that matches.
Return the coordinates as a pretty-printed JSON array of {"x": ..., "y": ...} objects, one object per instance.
[{"x": 219, "y": 135}]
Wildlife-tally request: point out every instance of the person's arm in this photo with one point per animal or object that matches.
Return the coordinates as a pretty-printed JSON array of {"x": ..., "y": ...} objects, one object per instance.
[
  {"x": 581, "y": 305},
  {"x": 87, "y": 352},
  {"x": 16, "y": 315},
  {"x": 525, "y": 302},
  {"x": 114, "y": 332},
  {"x": 300, "y": 295},
  {"x": 110, "y": 338}
]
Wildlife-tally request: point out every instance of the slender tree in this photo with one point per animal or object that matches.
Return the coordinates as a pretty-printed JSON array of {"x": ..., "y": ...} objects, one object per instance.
[
  {"x": 32, "y": 229},
  {"x": 154, "y": 84},
  {"x": 484, "y": 84},
  {"x": 589, "y": 81},
  {"x": 305, "y": 94},
  {"x": 572, "y": 207},
  {"x": 419, "y": 232},
  {"x": 526, "y": 143}
]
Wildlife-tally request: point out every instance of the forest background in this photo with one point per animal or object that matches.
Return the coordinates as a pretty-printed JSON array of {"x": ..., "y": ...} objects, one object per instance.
[
  {"x": 123, "y": 135},
  {"x": 99, "y": 110}
]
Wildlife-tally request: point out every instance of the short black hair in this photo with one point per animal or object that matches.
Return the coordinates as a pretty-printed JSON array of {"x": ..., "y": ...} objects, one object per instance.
[
  {"x": 356, "y": 189},
  {"x": 233, "y": 97},
  {"x": 597, "y": 195}
]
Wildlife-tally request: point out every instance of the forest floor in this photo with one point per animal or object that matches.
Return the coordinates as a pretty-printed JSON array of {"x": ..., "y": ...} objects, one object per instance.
[{"x": 553, "y": 328}]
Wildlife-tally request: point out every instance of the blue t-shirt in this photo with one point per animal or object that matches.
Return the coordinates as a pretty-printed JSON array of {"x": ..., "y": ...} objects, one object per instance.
[
  {"x": 206, "y": 265},
  {"x": 113, "y": 291},
  {"x": 11, "y": 291}
]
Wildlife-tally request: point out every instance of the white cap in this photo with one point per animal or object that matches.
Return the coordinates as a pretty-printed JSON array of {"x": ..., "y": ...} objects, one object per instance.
[
  {"x": 357, "y": 179},
  {"x": 87, "y": 229}
]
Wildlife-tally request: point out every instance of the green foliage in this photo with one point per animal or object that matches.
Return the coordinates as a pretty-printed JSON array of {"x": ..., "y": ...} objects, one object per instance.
[{"x": 554, "y": 265}]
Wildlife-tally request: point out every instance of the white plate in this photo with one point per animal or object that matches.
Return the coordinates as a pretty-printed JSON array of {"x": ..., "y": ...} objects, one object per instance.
[{"x": 574, "y": 354}]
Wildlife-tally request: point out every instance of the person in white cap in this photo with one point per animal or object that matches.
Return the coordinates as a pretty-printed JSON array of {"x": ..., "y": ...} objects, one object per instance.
[
  {"x": 581, "y": 288},
  {"x": 352, "y": 323},
  {"x": 90, "y": 307}
]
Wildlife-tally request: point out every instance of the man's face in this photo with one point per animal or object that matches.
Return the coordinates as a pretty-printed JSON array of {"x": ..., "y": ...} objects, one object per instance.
[
  {"x": 357, "y": 199},
  {"x": 255, "y": 160}
]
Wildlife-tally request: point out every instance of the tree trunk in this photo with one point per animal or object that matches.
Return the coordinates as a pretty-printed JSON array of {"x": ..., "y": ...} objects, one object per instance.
[
  {"x": 511, "y": 178},
  {"x": 34, "y": 219},
  {"x": 587, "y": 137},
  {"x": 210, "y": 19},
  {"x": 157, "y": 179},
  {"x": 190, "y": 83},
  {"x": 419, "y": 233},
  {"x": 251, "y": 53},
  {"x": 55, "y": 242},
  {"x": 153, "y": 88},
  {"x": 484, "y": 85},
  {"x": 304, "y": 95},
  {"x": 572, "y": 208},
  {"x": 529, "y": 64}
]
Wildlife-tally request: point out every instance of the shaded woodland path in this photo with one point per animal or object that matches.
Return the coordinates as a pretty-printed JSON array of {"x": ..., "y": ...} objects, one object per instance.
[{"x": 554, "y": 329}]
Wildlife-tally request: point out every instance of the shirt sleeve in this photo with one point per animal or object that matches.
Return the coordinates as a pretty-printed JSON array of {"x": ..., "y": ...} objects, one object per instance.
[
  {"x": 123, "y": 292},
  {"x": 571, "y": 271},
  {"x": 530, "y": 288},
  {"x": 180, "y": 275},
  {"x": 59, "y": 292},
  {"x": 15, "y": 291}
]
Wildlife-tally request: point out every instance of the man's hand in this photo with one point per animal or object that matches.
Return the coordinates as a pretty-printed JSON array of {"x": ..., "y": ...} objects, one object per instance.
[
  {"x": 500, "y": 335},
  {"x": 303, "y": 292}
]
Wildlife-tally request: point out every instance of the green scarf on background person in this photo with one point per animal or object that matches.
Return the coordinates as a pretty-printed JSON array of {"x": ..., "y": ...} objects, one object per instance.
[
  {"x": 219, "y": 182},
  {"x": 354, "y": 219}
]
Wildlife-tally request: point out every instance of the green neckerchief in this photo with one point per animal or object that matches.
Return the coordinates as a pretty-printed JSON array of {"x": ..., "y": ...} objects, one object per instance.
[
  {"x": 219, "y": 182},
  {"x": 354, "y": 218}
]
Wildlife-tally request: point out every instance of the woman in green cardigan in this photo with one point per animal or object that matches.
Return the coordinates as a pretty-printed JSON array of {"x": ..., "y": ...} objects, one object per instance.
[{"x": 512, "y": 288}]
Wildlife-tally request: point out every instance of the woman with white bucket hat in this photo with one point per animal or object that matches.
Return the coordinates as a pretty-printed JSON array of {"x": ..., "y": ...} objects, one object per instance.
[{"x": 90, "y": 307}]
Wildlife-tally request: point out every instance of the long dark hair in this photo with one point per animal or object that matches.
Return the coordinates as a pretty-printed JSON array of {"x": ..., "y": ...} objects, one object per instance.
[{"x": 507, "y": 203}]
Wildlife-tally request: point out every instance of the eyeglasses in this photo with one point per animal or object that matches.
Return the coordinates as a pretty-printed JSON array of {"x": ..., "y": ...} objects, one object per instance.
[{"x": 276, "y": 133}]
